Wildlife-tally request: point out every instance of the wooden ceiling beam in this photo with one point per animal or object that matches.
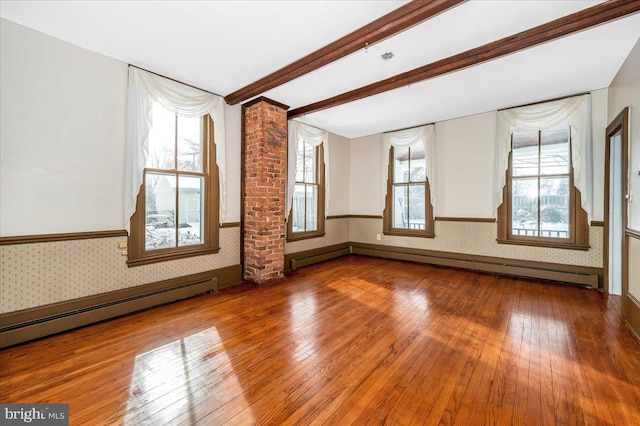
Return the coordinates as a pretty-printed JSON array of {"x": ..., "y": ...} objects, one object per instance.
[
  {"x": 400, "y": 19},
  {"x": 579, "y": 21}
]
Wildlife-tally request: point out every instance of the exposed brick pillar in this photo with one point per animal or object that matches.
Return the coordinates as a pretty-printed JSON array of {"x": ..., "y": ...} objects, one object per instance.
[{"x": 264, "y": 186}]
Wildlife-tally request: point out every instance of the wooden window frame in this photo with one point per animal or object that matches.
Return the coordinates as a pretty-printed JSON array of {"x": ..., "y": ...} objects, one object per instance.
[
  {"x": 578, "y": 219},
  {"x": 320, "y": 180},
  {"x": 138, "y": 255},
  {"x": 388, "y": 229}
]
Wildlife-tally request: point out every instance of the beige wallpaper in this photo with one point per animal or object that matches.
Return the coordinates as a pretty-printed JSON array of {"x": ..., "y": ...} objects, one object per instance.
[
  {"x": 634, "y": 267},
  {"x": 336, "y": 232},
  {"x": 479, "y": 239},
  {"x": 39, "y": 274}
]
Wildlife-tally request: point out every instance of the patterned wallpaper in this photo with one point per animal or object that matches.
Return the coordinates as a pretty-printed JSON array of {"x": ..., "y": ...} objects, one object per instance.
[
  {"x": 43, "y": 273},
  {"x": 336, "y": 232},
  {"x": 634, "y": 267},
  {"x": 479, "y": 239}
]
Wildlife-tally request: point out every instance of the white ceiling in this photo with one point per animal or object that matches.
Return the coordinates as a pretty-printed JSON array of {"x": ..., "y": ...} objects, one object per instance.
[{"x": 222, "y": 46}]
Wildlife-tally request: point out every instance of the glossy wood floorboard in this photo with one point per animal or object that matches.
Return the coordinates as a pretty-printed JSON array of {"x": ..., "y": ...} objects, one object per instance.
[{"x": 350, "y": 341}]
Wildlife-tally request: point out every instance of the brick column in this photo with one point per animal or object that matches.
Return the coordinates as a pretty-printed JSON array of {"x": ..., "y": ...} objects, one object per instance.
[{"x": 264, "y": 186}]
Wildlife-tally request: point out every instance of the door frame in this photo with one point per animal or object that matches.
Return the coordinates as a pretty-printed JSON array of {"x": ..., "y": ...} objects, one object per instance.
[{"x": 618, "y": 124}]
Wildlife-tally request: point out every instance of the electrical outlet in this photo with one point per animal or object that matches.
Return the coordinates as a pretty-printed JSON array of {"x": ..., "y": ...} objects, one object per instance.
[
  {"x": 378, "y": 237},
  {"x": 122, "y": 244}
]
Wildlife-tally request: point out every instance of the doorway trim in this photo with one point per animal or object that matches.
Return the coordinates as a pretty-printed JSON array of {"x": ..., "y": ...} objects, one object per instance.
[{"x": 618, "y": 124}]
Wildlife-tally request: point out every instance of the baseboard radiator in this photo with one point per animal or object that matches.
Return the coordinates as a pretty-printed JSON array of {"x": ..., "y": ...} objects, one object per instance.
[
  {"x": 309, "y": 257},
  {"x": 35, "y": 323},
  {"x": 583, "y": 276},
  {"x": 493, "y": 265}
]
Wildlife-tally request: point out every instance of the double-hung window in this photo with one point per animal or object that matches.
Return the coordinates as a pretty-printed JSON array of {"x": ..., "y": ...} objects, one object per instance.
[
  {"x": 306, "y": 219},
  {"x": 408, "y": 208},
  {"x": 541, "y": 204},
  {"x": 177, "y": 207}
]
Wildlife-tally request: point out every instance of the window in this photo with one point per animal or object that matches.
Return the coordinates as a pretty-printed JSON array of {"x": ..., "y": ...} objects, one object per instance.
[
  {"x": 177, "y": 207},
  {"x": 306, "y": 219},
  {"x": 541, "y": 205},
  {"x": 408, "y": 207}
]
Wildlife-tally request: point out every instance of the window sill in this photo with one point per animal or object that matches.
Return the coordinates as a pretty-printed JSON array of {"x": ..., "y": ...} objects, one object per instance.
[
  {"x": 419, "y": 234},
  {"x": 156, "y": 258},
  {"x": 548, "y": 244},
  {"x": 304, "y": 236}
]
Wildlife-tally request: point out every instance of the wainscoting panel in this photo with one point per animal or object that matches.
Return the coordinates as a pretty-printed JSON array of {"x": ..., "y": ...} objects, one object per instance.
[
  {"x": 44, "y": 273},
  {"x": 29, "y": 324},
  {"x": 479, "y": 239},
  {"x": 633, "y": 295},
  {"x": 634, "y": 266},
  {"x": 336, "y": 232}
]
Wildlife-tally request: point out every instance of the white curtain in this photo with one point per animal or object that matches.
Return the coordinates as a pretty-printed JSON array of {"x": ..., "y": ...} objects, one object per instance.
[
  {"x": 408, "y": 138},
  {"x": 299, "y": 132},
  {"x": 146, "y": 88},
  {"x": 577, "y": 112}
]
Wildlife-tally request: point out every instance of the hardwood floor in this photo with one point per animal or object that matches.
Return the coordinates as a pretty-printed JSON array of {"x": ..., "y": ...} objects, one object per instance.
[{"x": 350, "y": 341}]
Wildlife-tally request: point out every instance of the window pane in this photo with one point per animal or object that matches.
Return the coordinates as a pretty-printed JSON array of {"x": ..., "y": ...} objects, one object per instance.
[
  {"x": 162, "y": 137},
  {"x": 416, "y": 207},
  {"x": 297, "y": 211},
  {"x": 400, "y": 165},
  {"x": 554, "y": 207},
  {"x": 312, "y": 208},
  {"x": 190, "y": 144},
  {"x": 418, "y": 164},
  {"x": 524, "y": 207},
  {"x": 554, "y": 150},
  {"x": 160, "y": 199},
  {"x": 401, "y": 206},
  {"x": 525, "y": 153},
  {"x": 190, "y": 210},
  {"x": 310, "y": 164}
]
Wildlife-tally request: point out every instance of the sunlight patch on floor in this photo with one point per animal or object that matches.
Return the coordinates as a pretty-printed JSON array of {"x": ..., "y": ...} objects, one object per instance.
[{"x": 170, "y": 384}]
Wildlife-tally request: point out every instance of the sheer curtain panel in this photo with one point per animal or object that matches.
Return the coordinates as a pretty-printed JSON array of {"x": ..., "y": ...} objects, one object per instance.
[
  {"x": 146, "y": 88},
  {"x": 299, "y": 132},
  {"x": 577, "y": 112},
  {"x": 406, "y": 139}
]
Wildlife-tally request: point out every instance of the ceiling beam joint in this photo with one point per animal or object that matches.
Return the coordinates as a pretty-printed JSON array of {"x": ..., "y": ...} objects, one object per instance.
[
  {"x": 575, "y": 22},
  {"x": 400, "y": 19}
]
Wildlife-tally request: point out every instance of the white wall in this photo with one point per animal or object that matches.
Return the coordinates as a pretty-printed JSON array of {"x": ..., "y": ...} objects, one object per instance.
[
  {"x": 599, "y": 99},
  {"x": 233, "y": 139},
  {"x": 625, "y": 92},
  {"x": 465, "y": 150},
  {"x": 62, "y": 131},
  {"x": 61, "y": 135},
  {"x": 366, "y": 176},
  {"x": 338, "y": 175}
]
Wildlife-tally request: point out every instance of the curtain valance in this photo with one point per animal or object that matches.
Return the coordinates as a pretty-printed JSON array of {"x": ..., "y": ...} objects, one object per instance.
[
  {"x": 577, "y": 112},
  {"x": 145, "y": 88},
  {"x": 299, "y": 132},
  {"x": 408, "y": 138}
]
